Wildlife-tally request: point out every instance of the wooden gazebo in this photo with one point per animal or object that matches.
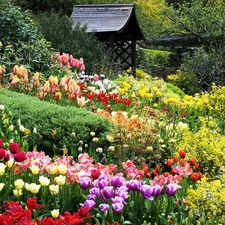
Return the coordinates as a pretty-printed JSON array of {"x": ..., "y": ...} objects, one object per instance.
[{"x": 115, "y": 24}]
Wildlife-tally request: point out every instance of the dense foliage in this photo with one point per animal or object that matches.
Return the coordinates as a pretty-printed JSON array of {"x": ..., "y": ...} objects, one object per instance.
[
  {"x": 21, "y": 43},
  {"x": 57, "y": 29}
]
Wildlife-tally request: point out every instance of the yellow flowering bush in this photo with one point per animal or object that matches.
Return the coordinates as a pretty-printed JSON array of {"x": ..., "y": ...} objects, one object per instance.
[
  {"x": 207, "y": 146},
  {"x": 208, "y": 197}
]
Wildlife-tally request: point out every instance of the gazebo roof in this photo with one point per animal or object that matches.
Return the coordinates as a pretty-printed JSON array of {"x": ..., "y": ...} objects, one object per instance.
[{"x": 119, "y": 19}]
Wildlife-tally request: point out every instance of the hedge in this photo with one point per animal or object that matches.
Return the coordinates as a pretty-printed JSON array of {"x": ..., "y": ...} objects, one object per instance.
[{"x": 58, "y": 127}]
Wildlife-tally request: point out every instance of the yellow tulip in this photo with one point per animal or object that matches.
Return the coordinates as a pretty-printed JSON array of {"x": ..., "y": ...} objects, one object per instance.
[
  {"x": 54, "y": 189},
  {"x": 34, "y": 188},
  {"x": 2, "y": 168},
  {"x": 17, "y": 192},
  {"x": 19, "y": 183},
  {"x": 60, "y": 180},
  {"x": 55, "y": 213},
  {"x": 34, "y": 169},
  {"x": 44, "y": 181}
]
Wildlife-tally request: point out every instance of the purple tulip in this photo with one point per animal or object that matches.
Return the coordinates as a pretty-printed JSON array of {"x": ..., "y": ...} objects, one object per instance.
[
  {"x": 118, "y": 199},
  {"x": 117, "y": 207},
  {"x": 92, "y": 197},
  {"x": 107, "y": 193},
  {"x": 89, "y": 203},
  {"x": 122, "y": 192},
  {"x": 157, "y": 190},
  {"x": 134, "y": 185},
  {"x": 171, "y": 189},
  {"x": 104, "y": 207},
  {"x": 102, "y": 183},
  {"x": 95, "y": 191},
  {"x": 85, "y": 182},
  {"x": 117, "y": 181},
  {"x": 147, "y": 191}
]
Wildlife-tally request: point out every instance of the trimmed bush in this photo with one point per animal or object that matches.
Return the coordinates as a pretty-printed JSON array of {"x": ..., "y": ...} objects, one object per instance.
[{"x": 58, "y": 127}]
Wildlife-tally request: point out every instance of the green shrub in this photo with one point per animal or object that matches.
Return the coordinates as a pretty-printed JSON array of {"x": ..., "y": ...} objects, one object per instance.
[
  {"x": 175, "y": 89},
  {"x": 20, "y": 39},
  {"x": 157, "y": 57},
  {"x": 209, "y": 67},
  {"x": 57, "y": 127},
  {"x": 187, "y": 82}
]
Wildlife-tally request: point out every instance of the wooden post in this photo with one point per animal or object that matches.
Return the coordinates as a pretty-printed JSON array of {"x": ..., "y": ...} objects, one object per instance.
[{"x": 133, "y": 57}]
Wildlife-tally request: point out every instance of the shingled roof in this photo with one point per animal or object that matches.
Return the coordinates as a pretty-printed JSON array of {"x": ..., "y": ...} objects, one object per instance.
[{"x": 113, "y": 18}]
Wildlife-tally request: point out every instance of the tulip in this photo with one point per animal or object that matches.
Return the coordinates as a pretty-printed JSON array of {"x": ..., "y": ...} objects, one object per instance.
[
  {"x": 117, "y": 181},
  {"x": 89, "y": 203},
  {"x": 1, "y": 186},
  {"x": 34, "y": 169},
  {"x": 62, "y": 169},
  {"x": 102, "y": 183},
  {"x": 14, "y": 147},
  {"x": 2, "y": 168},
  {"x": 134, "y": 185},
  {"x": 95, "y": 191},
  {"x": 17, "y": 192},
  {"x": 19, "y": 183},
  {"x": 34, "y": 188},
  {"x": 107, "y": 193},
  {"x": 171, "y": 189},
  {"x": 32, "y": 204},
  {"x": 44, "y": 181},
  {"x": 122, "y": 192},
  {"x": 192, "y": 161},
  {"x": 147, "y": 191},
  {"x": 157, "y": 190},
  {"x": 104, "y": 207},
  {"x": 54, "y": 189},
  {"x": 92, "y": 197},
  {"x": 169, "y": 162},
  {"x": 53, "y": 170},
  {"x": 55, "y": 213},
  {"x": 9, "y": 161},
  {"x": 117, "y": 207},
  {"x": 20, "y": 156},
  {"x": 2, "y": 153},
  {"x": 60, "y": 180},
  {"x": 182, "y": 154},
  {"x": 85, "y": 182}
]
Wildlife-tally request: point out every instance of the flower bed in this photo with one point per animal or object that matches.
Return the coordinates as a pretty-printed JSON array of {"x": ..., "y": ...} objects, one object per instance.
[{"x": 162, "y": 162}]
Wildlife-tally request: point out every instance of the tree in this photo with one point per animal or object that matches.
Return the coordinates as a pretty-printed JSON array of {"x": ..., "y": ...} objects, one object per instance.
[
  {"x": 21, "y": 41},
  {"x": 58, "y": 30},
  {"x": 203, "y": 19}
]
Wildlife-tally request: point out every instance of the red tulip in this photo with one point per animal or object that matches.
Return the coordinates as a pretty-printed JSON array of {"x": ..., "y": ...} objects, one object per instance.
[
  {"x": 32, "y": 204},
  {"x": 175, "y": 158},
  {"x": 182, "y": 154},
  {"x": 157, "y": 168},
  {"x": 2, "y": 153},
  {"x": 20, "y": 156},
  {"x": 169, "y": 162},
  {"x": 195, "y": 176},
  {"x": 192, "y": 161},
  {"x": 14, "y": 147},
  {"x": 197, "y": 166}
]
